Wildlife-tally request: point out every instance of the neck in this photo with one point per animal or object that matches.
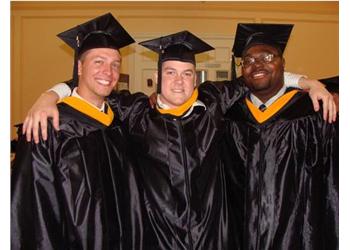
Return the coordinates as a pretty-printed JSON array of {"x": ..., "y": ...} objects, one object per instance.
[
  {"x": 93, "y": 99},
  {"x": 266, "y": 94},
  {"x": 265, "y": 97}
]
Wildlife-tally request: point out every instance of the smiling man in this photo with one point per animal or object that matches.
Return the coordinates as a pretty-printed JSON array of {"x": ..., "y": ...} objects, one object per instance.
[
  {"x": 282, "y": 156},
  {"x": 98, "y": 71},
  {"x": 263, "y": 82},
  {"x": 67, "y": 191},
  {"x": 177, "y": 83}
]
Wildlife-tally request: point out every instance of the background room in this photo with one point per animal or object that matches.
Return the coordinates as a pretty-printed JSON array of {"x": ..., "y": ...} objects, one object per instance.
[{"x": 39, "y": 59}]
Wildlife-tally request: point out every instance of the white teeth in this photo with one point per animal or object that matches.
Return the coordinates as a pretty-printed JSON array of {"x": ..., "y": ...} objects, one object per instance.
[
  {"x": 177, "y": 90},
  {"x": 259, "y": 75},
  {"x": 103, "y": 82}
]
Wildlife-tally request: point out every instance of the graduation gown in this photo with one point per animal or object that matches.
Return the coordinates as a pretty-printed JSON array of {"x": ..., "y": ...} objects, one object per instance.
[
  {"x": 181, "y": 170},
  {"x": 283, "y": 172},
  {"x": 77, "y": 190}
]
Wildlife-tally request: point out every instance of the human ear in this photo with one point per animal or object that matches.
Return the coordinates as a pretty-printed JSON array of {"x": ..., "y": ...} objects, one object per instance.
[
  {"x": 155, "y": 76},
  {"x": 80, "y": 67}
]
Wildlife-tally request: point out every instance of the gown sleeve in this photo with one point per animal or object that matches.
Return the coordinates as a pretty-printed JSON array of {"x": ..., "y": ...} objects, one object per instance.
[
  {"x": 123, "y": 103},
  {"x": 36, "y": 218},
  {"x": 226, "y": 93},
  {"x": 331, "y": 177},
  {"x": 128, "y": 107}
]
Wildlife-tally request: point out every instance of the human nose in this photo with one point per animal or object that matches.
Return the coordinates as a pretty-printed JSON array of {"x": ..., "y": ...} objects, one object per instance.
[
  {"x": 178, "y": 78},
  {"x": 107, "y": 69},
  {"x": 258, "y": 61}
]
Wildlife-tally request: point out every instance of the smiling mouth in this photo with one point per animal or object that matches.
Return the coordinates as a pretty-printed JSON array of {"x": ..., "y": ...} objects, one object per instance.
[
  {"x": 178, "y": 90},
  {"x": 103, "y": 82},
  {"x": 259, "y": 74}
]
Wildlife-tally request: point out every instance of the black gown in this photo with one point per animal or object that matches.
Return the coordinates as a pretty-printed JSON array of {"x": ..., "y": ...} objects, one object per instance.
[
  {"x": 180, "y": 169},
  {"x": 285, "y": 169},
  {"x": 77, "y": 190}
]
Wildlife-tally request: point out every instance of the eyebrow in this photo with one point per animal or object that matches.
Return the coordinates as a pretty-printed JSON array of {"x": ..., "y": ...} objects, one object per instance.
[
  {"x": 105, "y": 58},
  {"x": 171, "y": 68},
  {"x": 168, "y": 67},
  {"x": 265, "y": 50},
  {"x": 189, "y": 70}
]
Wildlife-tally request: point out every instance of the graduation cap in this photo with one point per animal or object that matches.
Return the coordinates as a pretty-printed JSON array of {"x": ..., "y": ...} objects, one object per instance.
[
  {"x": 181, "y": 46},
  {"x": 250, "y": 34},
  {"x": 332, "y": 83},
  {"x": 101, "y": 32}
]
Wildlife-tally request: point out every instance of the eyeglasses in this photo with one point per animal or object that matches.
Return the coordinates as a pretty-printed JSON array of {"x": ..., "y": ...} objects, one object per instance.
[{"x": 264, "y": 58}]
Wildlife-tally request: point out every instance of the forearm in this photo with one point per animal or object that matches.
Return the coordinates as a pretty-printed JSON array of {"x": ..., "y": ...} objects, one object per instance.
[
  {"x": 50, "y": 96},
  {"x": 307, "y": 84}
]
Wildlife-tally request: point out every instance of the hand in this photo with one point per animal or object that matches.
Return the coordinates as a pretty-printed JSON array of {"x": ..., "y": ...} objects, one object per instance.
[
  {"x": 153, "y": 100},
  {"x": 317, "y": 92},
  {"x": 43, "y": 108}
]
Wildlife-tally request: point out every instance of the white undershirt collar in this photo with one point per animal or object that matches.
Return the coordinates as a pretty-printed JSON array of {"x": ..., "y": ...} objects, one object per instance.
[
  {"x": 257, "y": 102},
  {"x": 75, "y": 94}
]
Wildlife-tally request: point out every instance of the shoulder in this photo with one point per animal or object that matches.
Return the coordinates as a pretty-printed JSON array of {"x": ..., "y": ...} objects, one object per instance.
[
  {"x": 72, "y": 121},
  {"x": 300, "y": 105},
  {"x": 66, "y": 113},
  {"x": 125, "y": 98},
  {"x": 212, "y": 86},
  {"x": 210, "y": 90},
  {"x": 301, "y": 108}
]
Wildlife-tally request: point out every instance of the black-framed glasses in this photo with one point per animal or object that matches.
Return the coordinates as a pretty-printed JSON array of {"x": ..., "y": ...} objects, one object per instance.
[{"x": 264, "y": 58}]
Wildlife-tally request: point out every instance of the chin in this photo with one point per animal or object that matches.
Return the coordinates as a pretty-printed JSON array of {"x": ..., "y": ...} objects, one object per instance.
[
  {"x": 105, "y": 89},
  {"x": 177, "y": 104},
  {"x": 261, "y": 87},
  {"x": 260, "y": 84},
  {"x": 104, "y": 93}
]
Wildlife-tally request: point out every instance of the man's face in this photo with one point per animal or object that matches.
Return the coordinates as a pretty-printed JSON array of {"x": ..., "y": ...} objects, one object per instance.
[
  {"x": 261, "y": 77},
  {"x": 98, "y": 71},
  {"x": 178, "y": 82}
]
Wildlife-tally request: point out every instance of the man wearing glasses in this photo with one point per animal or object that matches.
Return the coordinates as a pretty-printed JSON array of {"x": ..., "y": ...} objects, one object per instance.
[{"x": 284, "y": 164}]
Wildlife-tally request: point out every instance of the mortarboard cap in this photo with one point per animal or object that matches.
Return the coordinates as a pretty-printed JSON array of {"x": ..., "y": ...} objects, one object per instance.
[
  {"x": 332, "y": 83},
  {"x": 249, "y": 34},
  {"x": 181, "y": 46},
  {"x": 101, "y": 32}
]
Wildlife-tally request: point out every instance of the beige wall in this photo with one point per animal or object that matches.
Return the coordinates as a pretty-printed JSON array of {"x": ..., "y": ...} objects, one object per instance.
[{"x": 39, "y": 59}]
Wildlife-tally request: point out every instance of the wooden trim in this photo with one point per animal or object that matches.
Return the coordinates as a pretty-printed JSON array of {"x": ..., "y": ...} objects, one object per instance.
[{"x": 323, "y": 8}]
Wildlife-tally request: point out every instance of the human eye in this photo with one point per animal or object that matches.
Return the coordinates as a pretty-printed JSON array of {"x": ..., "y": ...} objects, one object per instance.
[
  {"x": 98, "y": 61},
  {"x": 247, "y": 61},
  {"x": 116, "y": 65},
  {"x": 268, "y": 58},
  {"x": 170, "y": 72},
  {"x": 188, "y": 73}
]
